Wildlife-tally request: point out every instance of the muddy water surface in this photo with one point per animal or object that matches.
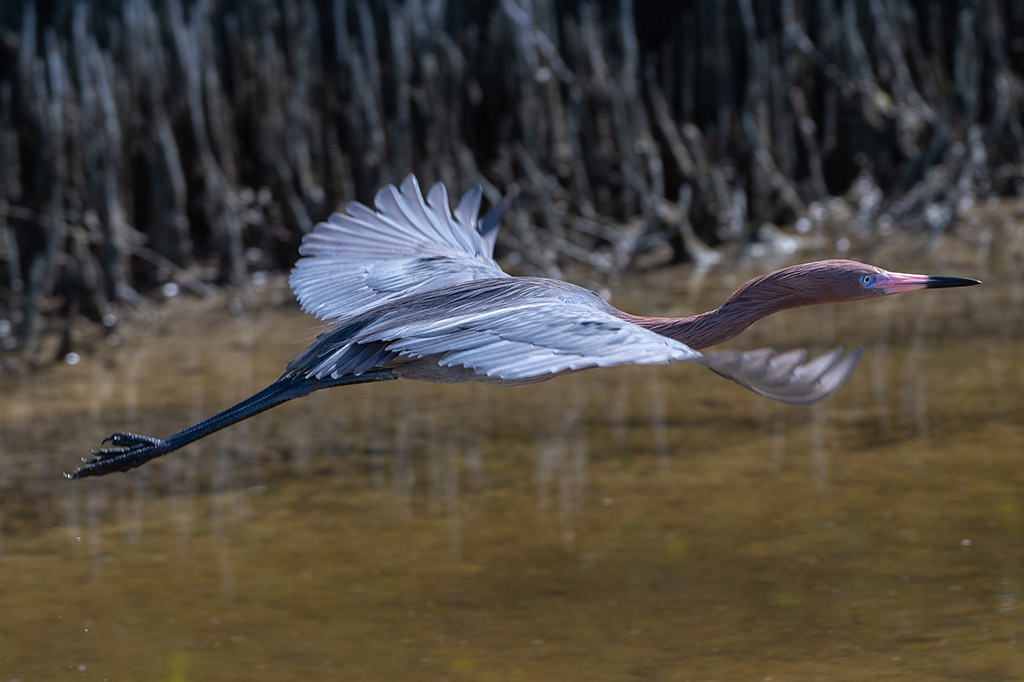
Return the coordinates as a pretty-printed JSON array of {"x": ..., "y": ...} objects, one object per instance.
[{"x": 652, "y": 523}]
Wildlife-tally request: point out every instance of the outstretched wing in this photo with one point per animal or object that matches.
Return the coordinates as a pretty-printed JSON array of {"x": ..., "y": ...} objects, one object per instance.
[
  {"x": 508, "y": 329},
  {"x": 540, "y": 339},
  {"x": 363, "y": 258},
  {"x": 785, "y": 377}
]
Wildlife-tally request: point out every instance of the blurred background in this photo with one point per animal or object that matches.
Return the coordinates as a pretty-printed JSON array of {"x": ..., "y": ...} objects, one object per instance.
[
  {"x": 192, "y": 144},
  {"x": 159, "y": 164}
]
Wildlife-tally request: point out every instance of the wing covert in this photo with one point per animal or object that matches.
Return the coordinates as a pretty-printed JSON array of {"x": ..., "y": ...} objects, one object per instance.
[{"x": 537, "y": 339}]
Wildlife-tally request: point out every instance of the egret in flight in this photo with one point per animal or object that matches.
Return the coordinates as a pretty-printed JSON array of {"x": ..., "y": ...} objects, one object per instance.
[{"x": 411, "y": 291}]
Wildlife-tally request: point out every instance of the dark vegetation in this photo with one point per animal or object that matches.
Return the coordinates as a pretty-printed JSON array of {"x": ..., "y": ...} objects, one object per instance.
[{"x": 145, "y": 142}]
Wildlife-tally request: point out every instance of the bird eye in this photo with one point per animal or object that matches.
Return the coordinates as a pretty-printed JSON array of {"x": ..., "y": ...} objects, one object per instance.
[{"x": 867, "y": 279}]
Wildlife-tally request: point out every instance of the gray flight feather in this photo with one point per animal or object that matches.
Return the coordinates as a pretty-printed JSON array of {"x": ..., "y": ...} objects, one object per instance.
[
  {"x": 363, "y": 258},
  {"x": 782, "y": 377}
]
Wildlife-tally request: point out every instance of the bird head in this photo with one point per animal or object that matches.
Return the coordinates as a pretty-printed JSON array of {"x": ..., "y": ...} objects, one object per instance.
[
  {"x": 850, "y": 280},
  {"x": 834, "y": 281}
]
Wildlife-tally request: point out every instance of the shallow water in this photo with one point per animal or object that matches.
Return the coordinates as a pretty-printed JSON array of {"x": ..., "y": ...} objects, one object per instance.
[{"x": 653, "y": 523}]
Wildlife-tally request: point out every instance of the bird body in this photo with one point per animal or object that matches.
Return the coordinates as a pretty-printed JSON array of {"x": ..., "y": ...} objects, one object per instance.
[
  {"x": 411, "y": 290},
  {"x": 508, "y": 331}
]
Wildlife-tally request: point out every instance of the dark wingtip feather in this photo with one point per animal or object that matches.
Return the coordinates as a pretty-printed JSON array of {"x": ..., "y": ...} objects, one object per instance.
[{"x": 492, "y": 219}]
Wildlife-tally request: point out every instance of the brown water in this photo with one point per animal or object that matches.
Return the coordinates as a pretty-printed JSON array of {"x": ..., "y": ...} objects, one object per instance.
[{"x": 653, "y": 523}]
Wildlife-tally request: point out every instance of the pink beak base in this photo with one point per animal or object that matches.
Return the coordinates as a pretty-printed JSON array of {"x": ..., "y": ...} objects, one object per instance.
[{"x": 895, "y": 282}]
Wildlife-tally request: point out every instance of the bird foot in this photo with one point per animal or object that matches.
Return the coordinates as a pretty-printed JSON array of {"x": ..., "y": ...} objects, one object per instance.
[{"x": 129, "y": 451}]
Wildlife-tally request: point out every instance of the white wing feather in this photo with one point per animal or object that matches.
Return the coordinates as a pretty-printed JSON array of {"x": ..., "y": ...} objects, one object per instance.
[{"x": 363, "y": 258}]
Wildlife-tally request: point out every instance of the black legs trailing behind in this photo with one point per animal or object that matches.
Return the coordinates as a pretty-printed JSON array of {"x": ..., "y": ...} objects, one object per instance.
[{"x": 130, "y": 450}]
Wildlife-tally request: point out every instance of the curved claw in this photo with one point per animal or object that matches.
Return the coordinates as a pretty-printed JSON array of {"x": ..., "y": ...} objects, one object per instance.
[{"x": 123, "y": 439}]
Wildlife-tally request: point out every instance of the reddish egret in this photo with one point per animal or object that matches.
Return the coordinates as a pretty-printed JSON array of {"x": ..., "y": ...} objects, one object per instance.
[{"x": 412, "y": 291}]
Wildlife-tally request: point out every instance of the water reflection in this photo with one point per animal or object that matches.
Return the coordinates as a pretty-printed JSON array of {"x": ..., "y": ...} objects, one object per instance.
[{"x": 650, "y": 522}]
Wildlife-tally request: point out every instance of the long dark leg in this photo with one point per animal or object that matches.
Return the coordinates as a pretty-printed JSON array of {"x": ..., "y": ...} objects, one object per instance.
[{"x": 131, "y": 450}]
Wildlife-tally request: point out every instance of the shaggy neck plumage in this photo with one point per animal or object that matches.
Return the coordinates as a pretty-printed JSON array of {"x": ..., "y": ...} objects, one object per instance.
[{"x": 756, "y": 299}]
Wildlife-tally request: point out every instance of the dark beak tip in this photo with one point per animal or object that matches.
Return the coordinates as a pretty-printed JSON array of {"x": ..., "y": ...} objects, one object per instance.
[{"x": 944, "y": 282}]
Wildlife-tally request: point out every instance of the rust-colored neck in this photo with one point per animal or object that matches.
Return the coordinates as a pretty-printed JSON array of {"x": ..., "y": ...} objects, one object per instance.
[
  {"x": 704, "y": 330},
  {"x": 696, "y": 331},
  {"x": 758, "y": 298}
]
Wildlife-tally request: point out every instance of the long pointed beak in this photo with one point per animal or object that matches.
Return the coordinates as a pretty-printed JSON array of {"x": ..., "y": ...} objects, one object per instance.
[{"x": 895, "y": 282}]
